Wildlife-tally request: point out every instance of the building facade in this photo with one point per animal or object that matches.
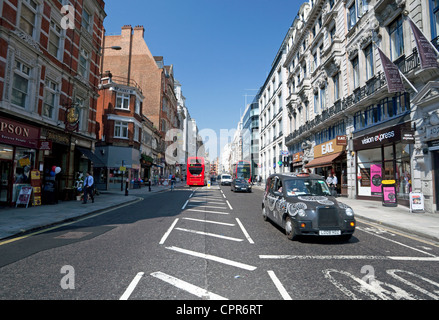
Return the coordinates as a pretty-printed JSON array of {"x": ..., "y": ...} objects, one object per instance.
[
  {"x": 49, "y": 77},
  {"x": 343, "y": 118},
  {"x": 119, "y": 114},
  {"x": 273, "y": 116}
]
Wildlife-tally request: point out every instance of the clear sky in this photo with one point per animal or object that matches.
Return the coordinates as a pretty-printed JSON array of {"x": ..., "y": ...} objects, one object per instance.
[{"x": 221, "y": 50}]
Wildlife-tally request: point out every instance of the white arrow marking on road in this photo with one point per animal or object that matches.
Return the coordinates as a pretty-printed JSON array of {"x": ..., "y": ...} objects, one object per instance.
[
  {"x": 188, "y": 287},
  {"x": 279, "y": 286},
  {"x": 132, "y": 286},
  {"x": 213, "y": 258},
  {"x": 209, "y": 234}
]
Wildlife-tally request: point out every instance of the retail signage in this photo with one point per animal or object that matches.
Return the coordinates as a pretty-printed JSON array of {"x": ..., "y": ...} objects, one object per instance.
[
  {"x": 342, "y": 140},
  {"x": 389, "y": 193},
  {"x": 381, "y": 137},
  {"x": 327, "y": 148},
  {"x": 376, "y": 177},
  {"x": 416, "y": 202},
  {"x": 72, "y": 118},
  {"x": 45, "y": 145},
  {"x": 408, "y": 136},
  {"x": 298, "y": 157},
  {"x": 426, "y": 51},
  {"x": 18, "y": 134},
  {"x": 391, "y": 72}
]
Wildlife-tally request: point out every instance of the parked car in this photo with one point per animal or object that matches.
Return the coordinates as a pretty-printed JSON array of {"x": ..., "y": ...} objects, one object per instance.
[
  {"x": 239, "y": 184},
  {"x": 302, "y": 204},
  {"x": 226, "y": 179}
]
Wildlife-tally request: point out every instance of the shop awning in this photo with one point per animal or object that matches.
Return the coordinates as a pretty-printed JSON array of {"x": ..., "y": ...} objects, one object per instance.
[
  {"x": 323, "y": 161},
  {"x": 92, "y": 157}
]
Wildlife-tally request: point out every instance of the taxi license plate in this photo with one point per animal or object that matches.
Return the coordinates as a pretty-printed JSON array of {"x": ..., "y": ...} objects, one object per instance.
[{"x": 330, "y": 232}]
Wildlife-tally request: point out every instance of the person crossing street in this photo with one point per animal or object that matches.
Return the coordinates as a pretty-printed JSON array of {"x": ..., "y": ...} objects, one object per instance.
[{"x": 88, "y": 188}]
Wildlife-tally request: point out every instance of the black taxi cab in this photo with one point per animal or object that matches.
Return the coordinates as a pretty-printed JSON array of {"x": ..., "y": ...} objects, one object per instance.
[{"x": 302, "y": 204}]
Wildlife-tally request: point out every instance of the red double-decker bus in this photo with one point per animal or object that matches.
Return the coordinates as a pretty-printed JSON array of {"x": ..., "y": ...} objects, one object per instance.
[
  {"x": 243, "y": 169},
  {"x": 196, "y": 171}
]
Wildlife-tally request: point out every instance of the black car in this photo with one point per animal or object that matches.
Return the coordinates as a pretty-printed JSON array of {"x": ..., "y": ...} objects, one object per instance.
[
  {"x": 302, "y": 205},
  {"x": 239, "y": 184}
]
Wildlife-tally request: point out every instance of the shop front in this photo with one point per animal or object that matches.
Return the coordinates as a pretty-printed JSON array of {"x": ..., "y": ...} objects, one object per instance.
[
  {"x": 330, "y": 157},
  {"x": 297, "y": 162},
  {"x": 18, "y": 156},
  {"x": 384, "y": 155}
]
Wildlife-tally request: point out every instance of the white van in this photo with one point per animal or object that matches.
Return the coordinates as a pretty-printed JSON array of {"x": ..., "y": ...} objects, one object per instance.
[{"x": 226, "y": 179}]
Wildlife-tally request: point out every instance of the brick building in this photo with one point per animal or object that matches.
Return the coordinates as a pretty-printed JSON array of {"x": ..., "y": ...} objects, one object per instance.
[
  {"x": 49, "y": 75},
  {"x": 135, "y": 62},
  {"x": 119, "y": 114}
]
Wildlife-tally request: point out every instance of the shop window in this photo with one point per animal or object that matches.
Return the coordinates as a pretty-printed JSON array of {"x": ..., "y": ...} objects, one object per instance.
[{"x": 6, "y": 152}]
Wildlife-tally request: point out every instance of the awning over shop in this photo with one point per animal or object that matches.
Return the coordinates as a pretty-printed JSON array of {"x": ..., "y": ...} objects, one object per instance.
[
  {"x": 323, "y": 161},
  {"x": 92, "y": 157}
]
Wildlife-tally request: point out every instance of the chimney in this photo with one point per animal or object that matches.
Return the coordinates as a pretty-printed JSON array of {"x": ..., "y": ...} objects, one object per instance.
[{"x": 139, "y": 31}]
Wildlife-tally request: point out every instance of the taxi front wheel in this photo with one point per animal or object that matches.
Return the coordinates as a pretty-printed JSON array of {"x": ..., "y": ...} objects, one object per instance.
[{"x": 289, "y": 229}]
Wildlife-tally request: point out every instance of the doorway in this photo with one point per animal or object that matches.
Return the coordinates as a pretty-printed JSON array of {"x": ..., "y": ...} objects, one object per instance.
[{"x": 6, "y": 179}]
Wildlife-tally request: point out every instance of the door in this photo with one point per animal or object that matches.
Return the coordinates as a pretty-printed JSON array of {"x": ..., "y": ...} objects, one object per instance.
[{"x": 5, "y": 182}]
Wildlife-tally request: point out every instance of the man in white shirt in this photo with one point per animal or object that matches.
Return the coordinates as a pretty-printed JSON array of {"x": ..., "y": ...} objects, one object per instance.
[{"x": 88, "y": 188}]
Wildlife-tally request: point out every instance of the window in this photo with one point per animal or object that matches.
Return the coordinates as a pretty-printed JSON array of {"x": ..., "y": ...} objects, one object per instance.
[
  {"x": 316, "y": 63},
  {"x": 332, "y": 34},
  {"x": 396, "y": 39},
  {"x": 322, "y": 98},
  {"x": 83, "y": 63},
  {"x": 368, "y": 53},
  {"x": 434, "y": 9},
  {"x": 54, "y": 39},
  {"x": 123, "y": 101},
  {"x": 50, "y": 94},
  {"x": 359, "y": 120},
  {"x": 316, "y": 103},
  {"x": 20, "y": 84},
  {"x": 137, "y": 106},
  {"x": 355, "y": 74},
  {"x": 28, "y": 16},
  {"x": 121, "y": 129},
  {"x": 136, "y": 133},
  {"x": 352, "y": 16},
  {"x": 86, "y": 18},
  {"x": 335, "y": 80}
]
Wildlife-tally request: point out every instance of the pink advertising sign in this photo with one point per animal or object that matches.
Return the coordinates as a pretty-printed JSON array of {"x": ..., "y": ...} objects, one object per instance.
[{"x": 376, "y": 177}]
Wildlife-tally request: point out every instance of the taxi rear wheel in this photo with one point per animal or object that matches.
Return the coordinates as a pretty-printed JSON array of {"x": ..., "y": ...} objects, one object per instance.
[
  {"x": 264, "y": 214},
  {"x": 289, "y": 229}
]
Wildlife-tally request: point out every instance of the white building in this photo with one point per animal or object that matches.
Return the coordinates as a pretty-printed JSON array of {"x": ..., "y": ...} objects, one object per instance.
[{"x": 273, "y": 116}]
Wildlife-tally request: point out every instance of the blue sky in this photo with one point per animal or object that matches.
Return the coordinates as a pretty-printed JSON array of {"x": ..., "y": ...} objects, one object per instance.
[{"x": 221, "y": 49}]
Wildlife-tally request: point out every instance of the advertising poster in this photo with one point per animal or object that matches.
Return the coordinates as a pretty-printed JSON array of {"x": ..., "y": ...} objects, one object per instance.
[
  {"x": 416, "y": 202},
  {"x": 376, "y": 178}
]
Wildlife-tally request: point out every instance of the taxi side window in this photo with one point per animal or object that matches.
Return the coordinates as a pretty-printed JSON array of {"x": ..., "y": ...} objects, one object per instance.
[{"x": 277, "y": 188}]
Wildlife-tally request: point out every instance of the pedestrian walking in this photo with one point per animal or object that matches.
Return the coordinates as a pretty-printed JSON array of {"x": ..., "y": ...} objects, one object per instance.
[
  {"x": 173, "y": 180},
  {"x": 332, "y": 183},
  {"x": 88, "y": 188}
]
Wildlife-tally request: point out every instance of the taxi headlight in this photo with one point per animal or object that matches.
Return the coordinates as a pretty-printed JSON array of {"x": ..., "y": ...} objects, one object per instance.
[
  {"x": 349, "y": 212},
  {"x": 301, "y": 212}
]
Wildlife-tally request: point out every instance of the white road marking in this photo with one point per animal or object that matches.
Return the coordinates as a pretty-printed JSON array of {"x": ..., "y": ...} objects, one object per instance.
[
  {"x": 132, "y": 286},
  {"x": 213, "y": 258},
  {"x": 279, "y": 286},
  {"x": 244, "y": 231},
  {"x": 188, "y": 287},
  {"x": 204, "y": 206},
  {"x": 224, "y": 196},
  {"x": 229, "y": 204},
  {"x": 187, "y": 201},
  {"x": 218, "y": 212},
  {"x": 209, "y": 234},
  {"x": 165, "y": 236},
  {"x": 335, "y": 257},
  {"x": 209, "y": 221},
  {"x": 401, "y": 244}
]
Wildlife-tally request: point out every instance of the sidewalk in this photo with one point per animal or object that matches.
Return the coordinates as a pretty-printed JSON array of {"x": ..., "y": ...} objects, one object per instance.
[
  {"x": 16, "y": 221},
  {"x": 400, "y": 218}
]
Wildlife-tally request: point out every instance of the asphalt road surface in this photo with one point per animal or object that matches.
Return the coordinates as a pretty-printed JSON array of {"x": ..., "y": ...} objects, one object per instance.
[{"x": 210, "y": 243}]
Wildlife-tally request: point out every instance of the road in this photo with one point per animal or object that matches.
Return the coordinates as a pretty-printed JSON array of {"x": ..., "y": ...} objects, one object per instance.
[{"x": 210, "y": 243}]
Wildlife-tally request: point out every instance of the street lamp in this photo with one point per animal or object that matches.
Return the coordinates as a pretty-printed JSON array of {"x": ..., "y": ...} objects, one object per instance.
[{"x": 101, "y": 51}]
